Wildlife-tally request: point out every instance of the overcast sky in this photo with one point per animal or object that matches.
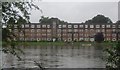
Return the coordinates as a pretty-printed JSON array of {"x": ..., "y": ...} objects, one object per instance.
[{"x": 75, "y": 12}]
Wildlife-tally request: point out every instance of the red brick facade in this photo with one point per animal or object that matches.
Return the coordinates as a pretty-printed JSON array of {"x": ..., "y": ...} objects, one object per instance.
[{"x": 67, "y": 32}]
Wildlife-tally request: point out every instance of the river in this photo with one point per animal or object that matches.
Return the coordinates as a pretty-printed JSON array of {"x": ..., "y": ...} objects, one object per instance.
[{"x": 51, "y": 56}]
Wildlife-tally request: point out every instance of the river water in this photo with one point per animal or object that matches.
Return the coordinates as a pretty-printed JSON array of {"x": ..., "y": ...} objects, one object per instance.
[{"x": 67, "y": 56}]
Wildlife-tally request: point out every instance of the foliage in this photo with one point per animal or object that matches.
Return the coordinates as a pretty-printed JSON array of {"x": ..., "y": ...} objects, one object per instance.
[
  {"x": 50, "y": 20},
  {"x": 118, "y": 22},
  {"x": 14, "y": 13},
  {"x": 99, "y": 19},
  {"x": 99, "y": 37},
  {"x": 113, "y": 57}
]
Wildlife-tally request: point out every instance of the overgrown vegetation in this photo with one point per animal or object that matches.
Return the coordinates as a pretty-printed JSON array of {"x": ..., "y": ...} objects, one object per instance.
[
  {"x": 113, "y": 56},
  {"x": 14, "y": 13}
]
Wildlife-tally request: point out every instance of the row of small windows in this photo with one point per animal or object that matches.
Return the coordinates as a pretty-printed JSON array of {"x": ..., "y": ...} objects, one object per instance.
[
  {"x": 86, "y": 26},
  {"x": 34, "y": 26},
  {"x": 70, "y": 26}
]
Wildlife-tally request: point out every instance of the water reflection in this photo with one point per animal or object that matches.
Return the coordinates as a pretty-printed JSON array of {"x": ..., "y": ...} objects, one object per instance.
[{"x": 67, "y": 56}]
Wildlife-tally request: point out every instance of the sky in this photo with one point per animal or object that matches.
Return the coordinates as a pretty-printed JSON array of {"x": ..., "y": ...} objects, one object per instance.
[{"x": 75, "y": 12}]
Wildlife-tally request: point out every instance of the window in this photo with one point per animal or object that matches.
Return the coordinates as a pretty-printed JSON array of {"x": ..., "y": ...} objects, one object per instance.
[
  {"x": 113, "y": 30},
  {"x": 48, "y": 30},
  {"x": 60, "y": 26},
  {"x": 75, "y": 30},
  {"x": 38, "y": 26},
  {"x": 32, "y": 30},
  {"x": 75, "y": 26},
  {"x": 48, "y": 34},
  {"x": 43, "y": 26},
  {"x": 103, "y": 26},
  {"x": 81, "y": 26},
  {"x": 91, "y": 26},
  {"x": 59, "y": 30},
  {"x": 15, "y": 26},
  {"x": 113, "y": 26},
  {"x": 97, "y": 30},
  {"x": 119, "y": 26},
  {"x": 15, "y": 30},
  {"x": 32, "y": 26},
  {"x": 81, "y": 30},
  {"x": 69, "y": 30},
  {"x": 69, "y": 26},
  {"x": 64, "y": 26},
  {"x": 64, "y": 30},
  {"x": 26, "y": 30},
  {"x": 86, "y": 26},
  {"x": 48, "y": 26},
  {"x": 38, "y": 30},
  {"x": 108, "y": 26},
  {"x": 86, "y": 30},
  {"x": 26, "y": 25},
  {"x": 103, "y": 30},
  {"x": 97, "y": 26}
]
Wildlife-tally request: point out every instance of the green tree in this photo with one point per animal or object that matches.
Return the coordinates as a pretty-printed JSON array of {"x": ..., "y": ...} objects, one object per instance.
[
  {"x": 99, "y": 19},
  {"x": 118, "y": 22},
  {"x": 50, "y": 20},
  {"x": 14, "y": 13}
]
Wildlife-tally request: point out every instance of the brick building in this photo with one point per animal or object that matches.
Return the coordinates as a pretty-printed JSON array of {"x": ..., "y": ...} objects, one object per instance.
[{"x": 67, "y": 32}]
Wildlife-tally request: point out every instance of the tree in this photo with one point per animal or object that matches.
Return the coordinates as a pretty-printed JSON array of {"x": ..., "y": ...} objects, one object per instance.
[
  {"x": 14, "y": 13},
  {"x": 99, "y": 19},
  {"x": 118, "y": 22},
  {"x": 50, "y": 20},
  {"x": 99, "y": 37}
]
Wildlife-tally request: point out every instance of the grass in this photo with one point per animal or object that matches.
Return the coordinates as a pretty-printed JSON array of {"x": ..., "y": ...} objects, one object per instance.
[{"x": 62, "y": 43}]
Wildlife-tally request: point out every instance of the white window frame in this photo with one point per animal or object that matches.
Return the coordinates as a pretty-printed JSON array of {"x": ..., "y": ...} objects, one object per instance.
[
  {"x": 38, "y": 26},
  {"x": 64, "y": 26},
  {"x": 86, "y": 26},
  {"x": 91, "y": 26},
  {"x": 75, "y": 26},
  {"x": 69, "y": 26},
  {"x": 32, "y": 26},
  {"x": 97, "y": 26},
  {"x": 81, "y": 26},
  {"x": 59, "y": 26},
  {"x": 107, "y": 26},
  {"x": 103, "y": 26}
]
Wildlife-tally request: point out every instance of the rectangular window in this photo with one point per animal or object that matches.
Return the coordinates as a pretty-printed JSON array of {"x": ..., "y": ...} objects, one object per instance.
[
  {"x": 108, "y": 26},
  {"x": 69, "y": 26},
  {"x": 103, "y": 26},
  {"x": 75, "y": 30},
  {"x": 43, "y": 26},
  {"x": 15, "y": 26},
  {"x": 48, "y": 26},
  {"x": 91, "y": 26},
  {"x": 69, "y": 30},
  {"x": 26, "y": 25},
  {"x": 75, "y": 26},
  {"x": 32, "y": 30},
  {"x": 81, "y": 26},
  {"x": 113, "y": 26},
  {"x": 38, "y": 26},
  {"x": 60, "y": 26},
  {"x": 97, "y": 26},
  {"x": 32, "y": 26},
  {"x": 64, "y": 26},
  {"x": 119, "y": 26},
  {"x": 48, "y": 30},
  {"x": 86, "y": 26}
]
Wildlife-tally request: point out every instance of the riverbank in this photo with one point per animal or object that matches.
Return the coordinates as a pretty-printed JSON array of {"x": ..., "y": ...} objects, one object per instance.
[{"x": 64, "y": 43}]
